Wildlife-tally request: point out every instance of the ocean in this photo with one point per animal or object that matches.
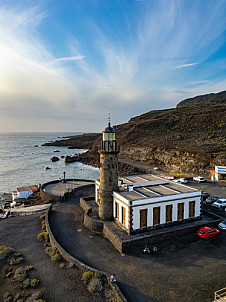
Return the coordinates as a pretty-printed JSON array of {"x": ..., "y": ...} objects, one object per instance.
[{"x": 23, "y": 164}]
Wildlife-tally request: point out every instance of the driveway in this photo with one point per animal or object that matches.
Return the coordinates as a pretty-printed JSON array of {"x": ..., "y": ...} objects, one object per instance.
[{"x": 186, "y": 268}]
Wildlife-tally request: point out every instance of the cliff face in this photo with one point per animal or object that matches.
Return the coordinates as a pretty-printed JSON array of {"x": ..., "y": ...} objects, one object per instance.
[{"x": 189, "y": 139}]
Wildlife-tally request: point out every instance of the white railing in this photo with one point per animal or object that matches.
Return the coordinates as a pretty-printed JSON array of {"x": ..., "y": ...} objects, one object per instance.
[{"x": 220, "y": 295}]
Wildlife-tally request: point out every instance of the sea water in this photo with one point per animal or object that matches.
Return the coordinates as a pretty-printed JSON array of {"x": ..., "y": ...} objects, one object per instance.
[{"x": 23, "y": 164}]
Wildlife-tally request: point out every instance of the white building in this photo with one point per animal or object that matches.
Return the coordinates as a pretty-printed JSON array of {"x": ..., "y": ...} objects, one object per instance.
[
  {"x": 147, "y": 202},
  {"x": 220, "y": 173},
  {"x": 24, "y": 192}
]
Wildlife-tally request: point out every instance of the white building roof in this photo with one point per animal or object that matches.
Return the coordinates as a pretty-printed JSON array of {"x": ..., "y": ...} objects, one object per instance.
[{"x": 151, "y": 186}]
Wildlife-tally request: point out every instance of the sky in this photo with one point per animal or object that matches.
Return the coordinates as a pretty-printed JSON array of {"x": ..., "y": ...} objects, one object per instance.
[{"x": 65, "y": 65}]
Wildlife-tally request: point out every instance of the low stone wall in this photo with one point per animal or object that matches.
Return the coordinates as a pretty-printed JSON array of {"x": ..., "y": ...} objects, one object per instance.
[
  {"x": 92, "y": 224},
  {"x": 83, "y": 267},
  {"x": 113, "y": 238},
  {"x": 46, "y": 196}
]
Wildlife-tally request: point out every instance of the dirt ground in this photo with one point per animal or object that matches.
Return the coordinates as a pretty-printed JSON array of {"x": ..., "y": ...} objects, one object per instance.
[{"x": 57, "y": 284}]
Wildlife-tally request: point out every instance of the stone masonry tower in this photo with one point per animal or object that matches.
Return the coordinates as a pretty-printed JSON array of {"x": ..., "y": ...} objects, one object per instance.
[{"x": 108, "y": 172}]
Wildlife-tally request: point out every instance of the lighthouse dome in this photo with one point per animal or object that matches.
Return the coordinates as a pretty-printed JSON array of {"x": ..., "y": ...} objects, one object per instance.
[{"x": 109, "y": 129}]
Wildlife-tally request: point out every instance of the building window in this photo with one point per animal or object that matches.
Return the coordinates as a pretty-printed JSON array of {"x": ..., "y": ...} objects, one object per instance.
[
  {"x": 156, "y": 215},
  {"x": 180, "y": 211},
  {"x": 191, "y": 209},
  {"x": 116, "y": 210},
  {"x": 123, "y": 216},
  {"x": 169, "y": 213},
  {"x": 143, "y": 218}
]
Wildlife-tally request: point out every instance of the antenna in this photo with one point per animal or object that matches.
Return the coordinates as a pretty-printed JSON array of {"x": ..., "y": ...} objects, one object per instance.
[{"x": 109, "y": 119}]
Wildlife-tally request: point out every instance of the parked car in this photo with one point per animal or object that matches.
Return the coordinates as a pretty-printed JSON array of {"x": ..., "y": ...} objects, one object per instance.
[
  {"x": 222, "y": 225},
  {"x": 211, "y": 199},
  {"x": 220, "y": 204},
  {"x": 198, "y": 178},
  {"x": 183, "y": 180},
  {"x": 205, "y": 195},
  {"x": 177, "y": 181},
  {"x": 207, "y": 232}
]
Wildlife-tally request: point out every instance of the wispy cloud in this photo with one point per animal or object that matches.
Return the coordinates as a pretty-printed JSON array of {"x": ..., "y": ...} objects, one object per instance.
[
  {"x": 185, "y": 65},
  {"x": 69, "y": 59}
]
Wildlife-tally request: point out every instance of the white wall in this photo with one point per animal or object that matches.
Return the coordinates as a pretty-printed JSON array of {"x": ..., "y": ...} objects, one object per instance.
[{"x": 162, "y": 205}]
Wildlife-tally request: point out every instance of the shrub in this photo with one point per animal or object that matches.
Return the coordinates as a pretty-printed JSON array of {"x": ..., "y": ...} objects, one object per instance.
[
  {"x": 88, "y": 276},
  {"x": 43, "y": 236},
  {"x": 56, "y": 258},
  {"x": 42, "y": 217},
  {"x": 48, "y": 250},
  {"x": 62, "y": 265},
  {"x": 34, "y": 282},
  {"x": 28, "y": 268},
  {"x": 43, "y": 225},
  {"x": 95, "y": 286},
  {"x": 18, "y": 254},
  {"x": 5, "y": 251}
]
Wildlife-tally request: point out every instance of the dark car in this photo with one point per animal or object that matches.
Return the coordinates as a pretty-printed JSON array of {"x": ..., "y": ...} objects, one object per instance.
[
  {"x": 205, "y": 195},
  {"x": 207, "y": 232},
  {"x": 211, "y": 199}
]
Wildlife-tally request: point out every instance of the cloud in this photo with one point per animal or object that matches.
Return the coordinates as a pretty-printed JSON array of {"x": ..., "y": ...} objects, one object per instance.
[
  {"x": 186, "y": 65},
  {"x": 75, "y": 58}
]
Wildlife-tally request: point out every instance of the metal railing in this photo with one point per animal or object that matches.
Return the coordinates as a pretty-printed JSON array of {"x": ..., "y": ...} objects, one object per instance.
[{"x": 220, "y": 295}]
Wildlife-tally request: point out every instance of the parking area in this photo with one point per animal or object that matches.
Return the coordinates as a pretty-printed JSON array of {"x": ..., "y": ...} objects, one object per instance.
[{"x": 214, "y": 189}]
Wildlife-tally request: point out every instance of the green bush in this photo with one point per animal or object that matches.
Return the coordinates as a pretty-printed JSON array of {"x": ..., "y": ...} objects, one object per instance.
[
  {"x": 28, "y": 268},
  {"x": 34, "y": 282},
  {"x": 88, "y": 276},
  {"x": 43, "y": 236}
]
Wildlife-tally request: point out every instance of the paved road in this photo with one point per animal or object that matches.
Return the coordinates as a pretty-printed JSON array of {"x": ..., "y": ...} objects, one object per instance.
[{"x": 174, "y": 275}]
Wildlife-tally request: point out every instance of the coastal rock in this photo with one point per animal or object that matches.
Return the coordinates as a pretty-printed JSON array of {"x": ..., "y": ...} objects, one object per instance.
[
  {"x": 54, "y": 158},
  {"x": 36, "y": 146},
  {"x": 71, "y": 159}
]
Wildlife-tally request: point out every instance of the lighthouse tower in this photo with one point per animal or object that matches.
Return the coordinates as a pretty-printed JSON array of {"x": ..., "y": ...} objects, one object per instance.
[{"x": 108, "y": 172}]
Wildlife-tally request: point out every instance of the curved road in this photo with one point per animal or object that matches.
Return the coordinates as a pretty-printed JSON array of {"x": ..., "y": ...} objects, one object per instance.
[{"x": 173, "y": 275}]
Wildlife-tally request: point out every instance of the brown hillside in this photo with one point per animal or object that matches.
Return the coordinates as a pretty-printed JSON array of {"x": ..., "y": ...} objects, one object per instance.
[{"x": 184, "y": 140}]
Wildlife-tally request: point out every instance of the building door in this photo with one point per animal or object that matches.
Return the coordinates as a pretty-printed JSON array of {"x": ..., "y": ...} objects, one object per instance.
[
  {"x": 156, "y": 215},
  {"x": 116, "y": 210},
  {"x": 191, "y": 209},
  {"x": 169, "y": 213},
  {"x": 180, "y": 211},
  {"x": 123, "y": 216},
  {"x": 143, "y": 218}
]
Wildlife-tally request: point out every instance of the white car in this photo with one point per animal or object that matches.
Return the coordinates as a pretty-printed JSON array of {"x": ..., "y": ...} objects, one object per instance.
[
  {"x": 222, "y": 225},
  {"x": 220, "y": 204},
  {"x": 198, "y": 178},
  {"x": 183, "y": 180}
]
